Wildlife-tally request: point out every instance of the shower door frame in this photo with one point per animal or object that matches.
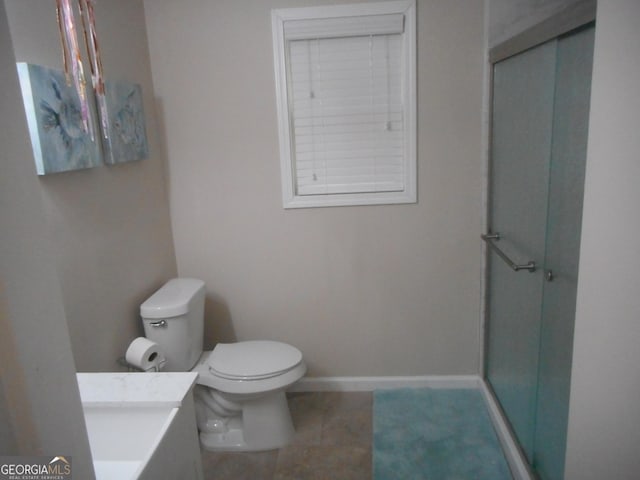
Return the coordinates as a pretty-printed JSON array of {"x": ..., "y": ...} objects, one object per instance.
[{"x": 574, "y": 16}]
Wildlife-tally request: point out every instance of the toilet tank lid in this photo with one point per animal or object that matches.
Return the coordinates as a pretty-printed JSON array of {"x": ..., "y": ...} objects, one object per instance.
[{"x": 172, "y": 299}]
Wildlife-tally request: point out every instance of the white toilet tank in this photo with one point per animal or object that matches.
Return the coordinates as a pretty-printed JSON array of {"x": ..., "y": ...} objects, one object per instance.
[{"x": 173, "y": 317}]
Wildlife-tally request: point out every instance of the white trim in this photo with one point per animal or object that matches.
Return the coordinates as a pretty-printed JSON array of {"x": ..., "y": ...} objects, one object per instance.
[
  {"x": 368, "y": 384},
  {"x": 290, "y": 198},
  {"x": 346, "y": 10},
  {"x": 517, "y": 463}
]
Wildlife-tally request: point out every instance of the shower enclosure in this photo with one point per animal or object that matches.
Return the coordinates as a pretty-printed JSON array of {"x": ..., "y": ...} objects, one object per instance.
[{"x": 540, "y": 110}]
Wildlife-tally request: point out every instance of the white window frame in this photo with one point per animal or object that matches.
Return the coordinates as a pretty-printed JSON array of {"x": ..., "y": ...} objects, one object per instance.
[{"x": 289, "y": 196}]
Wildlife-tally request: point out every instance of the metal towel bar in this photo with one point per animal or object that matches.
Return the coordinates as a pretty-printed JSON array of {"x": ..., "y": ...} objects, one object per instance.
[{"x": 531, "y": 266}]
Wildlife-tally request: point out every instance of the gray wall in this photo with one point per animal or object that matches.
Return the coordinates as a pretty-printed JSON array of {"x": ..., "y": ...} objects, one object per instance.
[
  {"x": 8, "y": 443},
  {"x": 375, "y": 290},
  {"x": 108, "y": 227},
  {"x": 511, "y": 17}
]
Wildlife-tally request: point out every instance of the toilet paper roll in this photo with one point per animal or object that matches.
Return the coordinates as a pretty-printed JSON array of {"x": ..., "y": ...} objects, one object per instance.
[{"x": 145, "y": 354}]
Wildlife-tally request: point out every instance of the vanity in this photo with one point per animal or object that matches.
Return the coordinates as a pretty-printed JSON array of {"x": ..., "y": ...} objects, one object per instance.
[{"x": 141, "y": 425}]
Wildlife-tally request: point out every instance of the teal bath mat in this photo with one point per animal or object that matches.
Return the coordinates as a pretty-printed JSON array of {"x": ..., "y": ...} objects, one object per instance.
[{"x": 435, "y": 434}]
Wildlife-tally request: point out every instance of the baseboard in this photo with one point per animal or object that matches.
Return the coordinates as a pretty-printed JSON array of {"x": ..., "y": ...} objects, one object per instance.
[
  {"x": 517, "y": 463},
  {"x": 368, "y": 384}
]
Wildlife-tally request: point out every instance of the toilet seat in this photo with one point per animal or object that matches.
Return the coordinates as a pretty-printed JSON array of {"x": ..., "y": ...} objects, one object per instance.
[
  {"x": 253, "y": 360},
  {"x": 250, "y": 385}
]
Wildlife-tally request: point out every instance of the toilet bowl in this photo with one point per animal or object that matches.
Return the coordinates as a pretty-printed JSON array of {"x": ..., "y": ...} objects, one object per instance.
[
  {"x": 240, "y": 392},
  {"x": 240, "y": 401}
]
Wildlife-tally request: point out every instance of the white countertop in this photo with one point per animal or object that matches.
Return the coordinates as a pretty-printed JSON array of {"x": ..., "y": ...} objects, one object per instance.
[{"x": 139, "y": 389}]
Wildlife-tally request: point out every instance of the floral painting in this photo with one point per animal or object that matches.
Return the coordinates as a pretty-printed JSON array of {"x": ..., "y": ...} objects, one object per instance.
[
  {"x": 125, "y": 137},
  {"x": 59, "y": 139}
]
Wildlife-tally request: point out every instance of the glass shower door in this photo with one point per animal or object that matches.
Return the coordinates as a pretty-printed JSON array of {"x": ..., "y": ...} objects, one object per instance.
[
  {"x": 562, "y": 249},
  {"x": 522, "y": 114},
  {"x": 539, "y": 142}
]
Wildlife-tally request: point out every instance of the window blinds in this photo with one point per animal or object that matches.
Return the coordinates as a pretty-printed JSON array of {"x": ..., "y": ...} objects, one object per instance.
[
  {"x": 346, "y": 104},
  {"x": 335, "y": 27}
]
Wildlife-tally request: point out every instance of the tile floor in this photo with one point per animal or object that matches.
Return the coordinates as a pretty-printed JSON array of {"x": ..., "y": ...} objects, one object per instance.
[{"x": 332, "y": 442}]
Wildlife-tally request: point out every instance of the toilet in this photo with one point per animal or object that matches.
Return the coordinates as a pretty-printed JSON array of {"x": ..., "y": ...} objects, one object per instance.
[{"x": 240, "y": 393}]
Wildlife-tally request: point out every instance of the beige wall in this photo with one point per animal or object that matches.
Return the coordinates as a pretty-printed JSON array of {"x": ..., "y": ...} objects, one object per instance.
[
  {"x": 604, "y": 419},
  {"x": 366, "y": 290},
  {"x": 40, "y": 410},
  {"x": 382, "y": 290},
  {"x": 109, "y": 226}
]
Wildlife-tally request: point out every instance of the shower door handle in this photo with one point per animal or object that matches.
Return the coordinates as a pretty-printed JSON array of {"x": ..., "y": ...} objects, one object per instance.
[{"x": 490, "y": 237}]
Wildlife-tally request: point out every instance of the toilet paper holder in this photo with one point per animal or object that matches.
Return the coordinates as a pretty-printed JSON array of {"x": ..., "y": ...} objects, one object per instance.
[
  {"x": 122, "y": 361},
  {"x": 145, "y": 355}
]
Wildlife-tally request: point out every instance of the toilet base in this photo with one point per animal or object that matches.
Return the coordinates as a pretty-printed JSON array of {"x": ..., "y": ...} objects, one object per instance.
[{"x": 265, "y": 424}]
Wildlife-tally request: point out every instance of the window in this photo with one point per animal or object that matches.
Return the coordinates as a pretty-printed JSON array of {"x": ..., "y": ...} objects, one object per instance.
[{"x": 345, "y": 79}]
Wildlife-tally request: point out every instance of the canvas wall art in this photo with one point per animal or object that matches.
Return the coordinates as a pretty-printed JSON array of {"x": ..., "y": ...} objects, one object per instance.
[
  {"x": 60, "y": 141},
  {"x": 125, "y": 137}
]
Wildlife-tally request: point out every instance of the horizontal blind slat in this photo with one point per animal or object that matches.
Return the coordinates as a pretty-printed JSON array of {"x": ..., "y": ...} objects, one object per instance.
[
  {"x": 333, "y": 189},
  {"x": 344, "y": 26}
]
